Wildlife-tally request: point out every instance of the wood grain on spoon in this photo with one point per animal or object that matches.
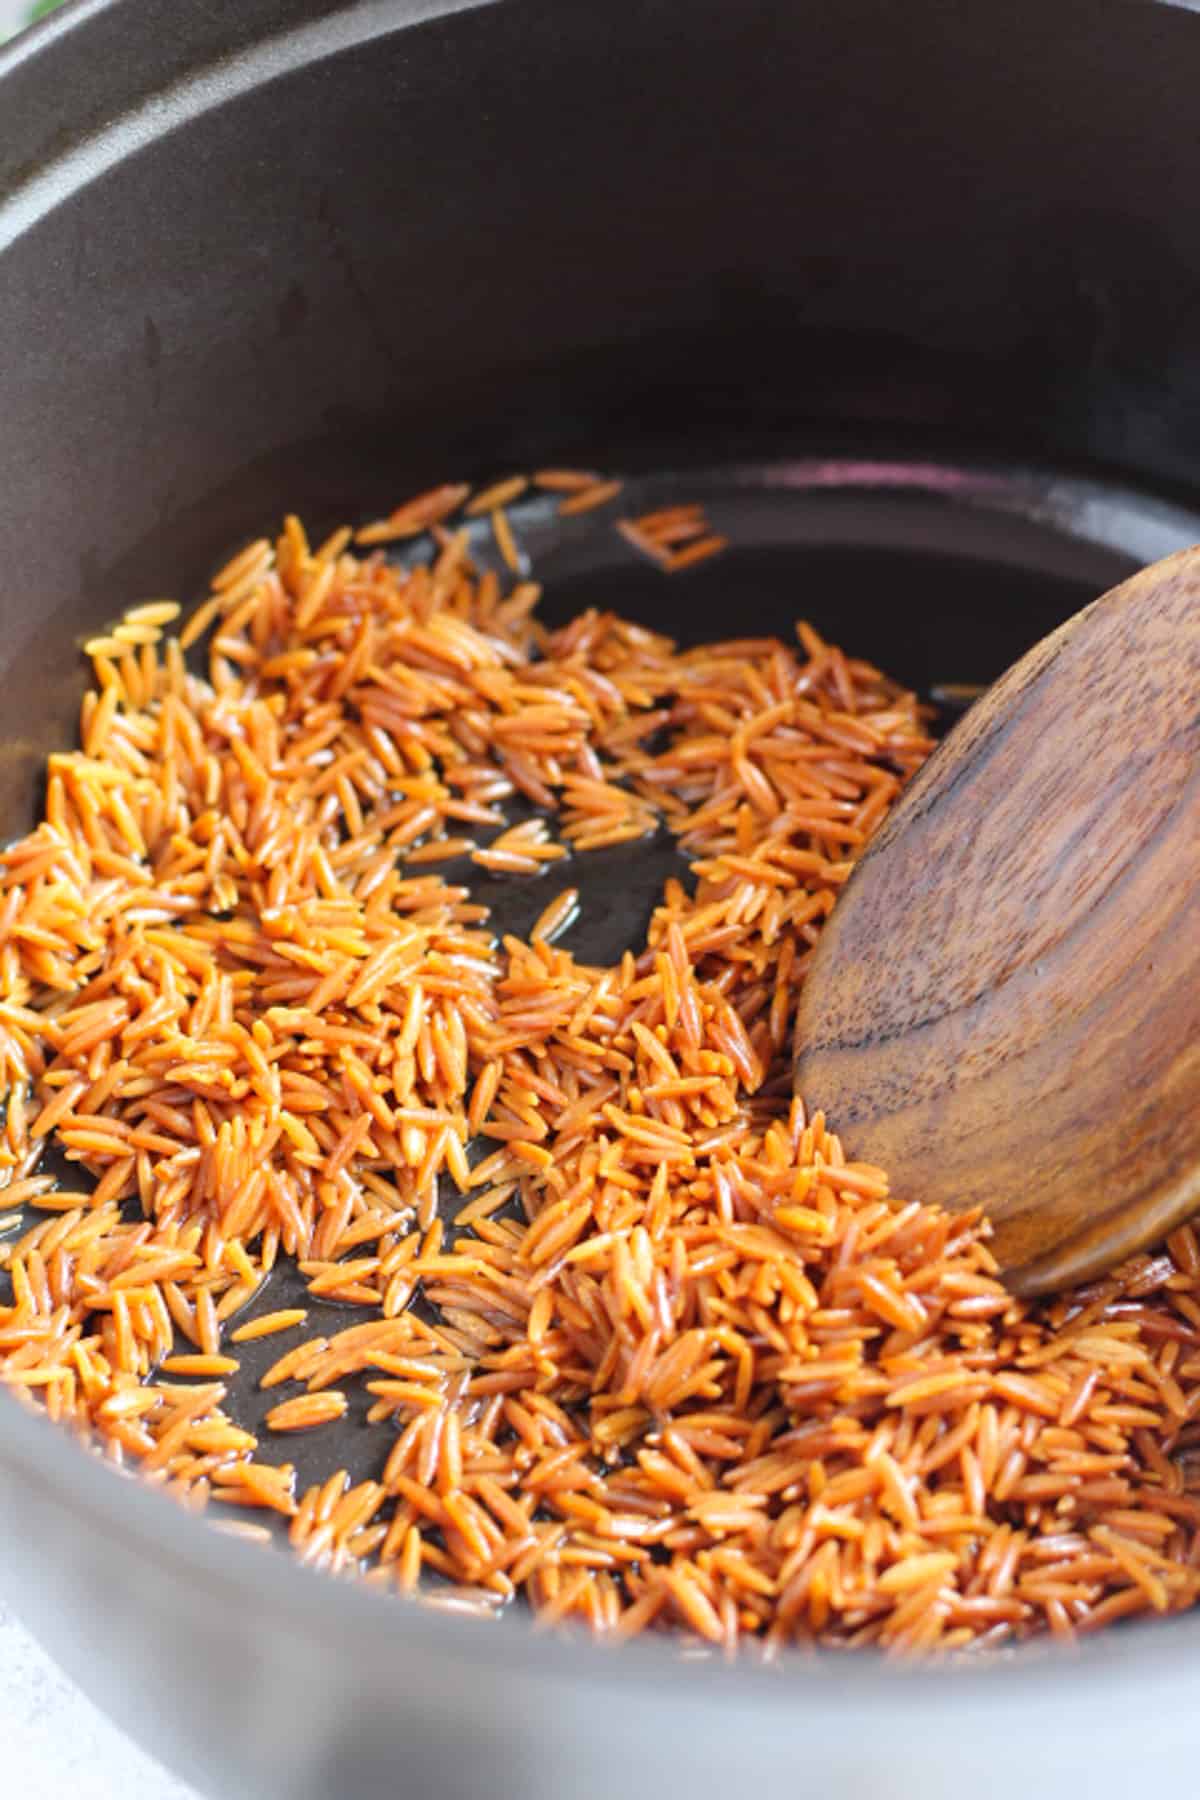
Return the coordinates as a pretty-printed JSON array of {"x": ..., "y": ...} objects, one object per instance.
[{"x": 1004, "y": 1008}]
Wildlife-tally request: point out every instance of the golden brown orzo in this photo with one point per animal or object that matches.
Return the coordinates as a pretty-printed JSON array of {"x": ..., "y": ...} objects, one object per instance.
[{"x": 675, "y": 1361}]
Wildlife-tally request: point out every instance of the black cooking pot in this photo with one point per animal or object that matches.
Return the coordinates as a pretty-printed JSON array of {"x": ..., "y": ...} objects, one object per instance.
[{"x": 911, "y": 292}]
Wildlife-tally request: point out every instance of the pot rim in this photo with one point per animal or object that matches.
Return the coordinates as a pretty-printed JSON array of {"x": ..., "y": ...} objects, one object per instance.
[
  {"x": 345, "y": 1617},
  {"x": 352, "y": 1620}
]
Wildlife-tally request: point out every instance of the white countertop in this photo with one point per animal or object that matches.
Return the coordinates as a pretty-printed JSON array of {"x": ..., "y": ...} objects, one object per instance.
[{"x": 54, "y": 1743}]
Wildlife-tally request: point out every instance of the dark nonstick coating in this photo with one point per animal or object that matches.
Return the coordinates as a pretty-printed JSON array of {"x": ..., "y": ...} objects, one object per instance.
[
  {"x": 912, "y": 293},
  {"x": 943, "y": 573},
  {"x": 942, "y": 588}
]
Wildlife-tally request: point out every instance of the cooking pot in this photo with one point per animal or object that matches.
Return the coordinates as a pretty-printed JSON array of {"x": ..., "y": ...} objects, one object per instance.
[{"x": 914, "y": 292}]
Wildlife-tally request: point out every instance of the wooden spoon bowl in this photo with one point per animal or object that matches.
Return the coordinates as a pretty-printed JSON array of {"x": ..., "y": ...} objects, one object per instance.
[{"x": 1004, "y": 1008}]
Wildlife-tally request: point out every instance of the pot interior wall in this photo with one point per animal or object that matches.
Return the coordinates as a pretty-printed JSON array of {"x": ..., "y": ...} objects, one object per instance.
[
  {"x": 911, "y": 292},
  {"x": 371, "y": 255}
]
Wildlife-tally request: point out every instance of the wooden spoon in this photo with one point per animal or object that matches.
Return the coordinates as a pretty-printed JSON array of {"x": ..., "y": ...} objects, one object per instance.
[{"x": 1004, "y": 1008}]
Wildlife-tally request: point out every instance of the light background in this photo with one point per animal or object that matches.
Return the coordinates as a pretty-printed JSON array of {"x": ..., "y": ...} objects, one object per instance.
[{"x": 56, "y": 1746}]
